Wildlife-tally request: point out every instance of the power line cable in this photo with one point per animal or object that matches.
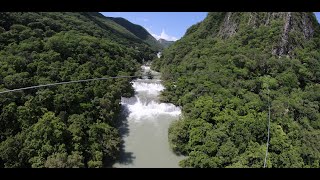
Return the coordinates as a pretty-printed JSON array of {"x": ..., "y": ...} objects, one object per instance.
[{"x": 67, "y": 82}]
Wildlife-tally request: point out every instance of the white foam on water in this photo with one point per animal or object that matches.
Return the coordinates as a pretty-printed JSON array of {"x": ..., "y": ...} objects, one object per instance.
[
  {"x": 141, "y": 111},
  {"x": 148, "y": 122},
  {"x": 150, "y": 88},
  {"x": 145, "y": 68}
]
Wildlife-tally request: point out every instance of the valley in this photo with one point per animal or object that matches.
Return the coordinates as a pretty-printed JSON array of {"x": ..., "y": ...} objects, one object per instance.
[{"x": 237, "y": 90}]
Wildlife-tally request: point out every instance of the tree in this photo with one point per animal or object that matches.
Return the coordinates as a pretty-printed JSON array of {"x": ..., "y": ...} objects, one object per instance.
[
  {"x": 63, "y": 160},
  {"x": 8, "y": 122},
  {"x": 78, "y": 127},
  {"x": 104, "y": 144},
  {"x": 44, "y": 138},
  {"x": 10, "y": 151},
  {"x": 17, "y": 80},
  {"x": 179, "y": 136}
]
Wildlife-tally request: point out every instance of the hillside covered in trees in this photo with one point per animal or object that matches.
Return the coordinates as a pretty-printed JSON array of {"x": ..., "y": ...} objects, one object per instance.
[
  {"x": 226, "y": 72},
  {"x": 165, "y": 43},
  {"x": 70, "y": 125},
  {"x": 139, "y": 32}
]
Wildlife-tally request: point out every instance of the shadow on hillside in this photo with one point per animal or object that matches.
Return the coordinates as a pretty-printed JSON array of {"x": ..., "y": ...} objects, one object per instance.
[{"x": 125, "y": 158}]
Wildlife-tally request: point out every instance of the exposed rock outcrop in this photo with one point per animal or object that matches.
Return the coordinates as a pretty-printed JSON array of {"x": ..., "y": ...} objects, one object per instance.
[{"x": 297, "y": 27}]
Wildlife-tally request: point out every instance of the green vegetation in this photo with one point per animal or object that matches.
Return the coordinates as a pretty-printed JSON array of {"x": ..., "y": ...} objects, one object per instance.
[
  {"x": 139, "y": 32},
  {"x": 222, "y": 81},
  {"x": 70, "y": 125},
  {"x": 165, "y": 43}
]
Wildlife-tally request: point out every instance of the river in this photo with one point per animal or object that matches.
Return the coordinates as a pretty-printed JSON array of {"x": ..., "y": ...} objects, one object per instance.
[{"x": 144, "y": 129}]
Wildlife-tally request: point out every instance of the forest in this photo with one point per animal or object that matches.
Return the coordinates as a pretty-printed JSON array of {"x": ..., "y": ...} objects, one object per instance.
[
  {"x": 73, "y": 125},
  {"x": 227, "y": 71}
]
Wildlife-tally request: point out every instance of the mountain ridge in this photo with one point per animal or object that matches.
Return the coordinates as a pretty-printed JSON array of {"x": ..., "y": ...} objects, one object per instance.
[
  {"x": 138, "y": 31},
  {"x": 165, "y": 43}
]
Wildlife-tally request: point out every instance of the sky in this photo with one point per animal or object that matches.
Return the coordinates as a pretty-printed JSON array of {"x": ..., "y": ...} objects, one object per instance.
[
  {"x": 318, "y": 16},
  {"x": 166, "y": 25}
]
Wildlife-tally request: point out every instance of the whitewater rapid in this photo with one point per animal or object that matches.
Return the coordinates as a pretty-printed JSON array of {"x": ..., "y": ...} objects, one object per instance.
[
  {"x": 145, "y": 126},
  {"x": 144, "y": 106}
]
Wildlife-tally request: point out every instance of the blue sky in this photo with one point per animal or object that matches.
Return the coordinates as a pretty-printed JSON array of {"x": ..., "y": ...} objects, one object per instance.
[
  {"x": 166, "y": 25},
  {"x": 318, "y": 16}
]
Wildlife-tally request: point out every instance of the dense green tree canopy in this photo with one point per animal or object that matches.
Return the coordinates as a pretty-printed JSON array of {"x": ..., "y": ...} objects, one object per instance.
[
  {"x": 70, "y": 125},
  {"x": 222, "y": 79}
]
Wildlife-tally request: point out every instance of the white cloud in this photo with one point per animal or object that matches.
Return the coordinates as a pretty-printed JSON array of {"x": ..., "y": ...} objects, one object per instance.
[
  {"x": 163, "y": 35},
  {"x": 147, "y": 29},
  {"x": 142, "y": 19}
]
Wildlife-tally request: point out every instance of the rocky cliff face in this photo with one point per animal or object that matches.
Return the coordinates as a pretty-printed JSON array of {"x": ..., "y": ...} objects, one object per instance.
[
  {"x": 296, "y": 27},
  {"x": 300, "y": 23},
  {"x": 264, "y": 33}
]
